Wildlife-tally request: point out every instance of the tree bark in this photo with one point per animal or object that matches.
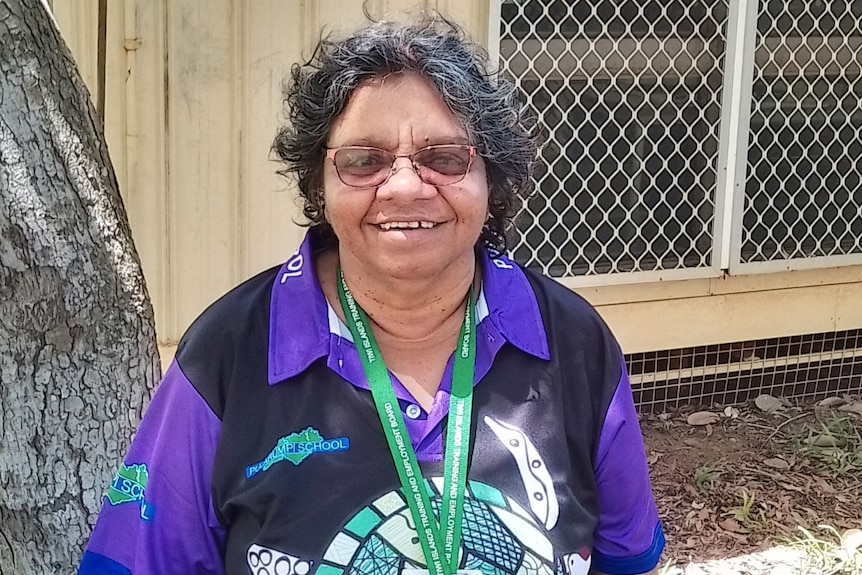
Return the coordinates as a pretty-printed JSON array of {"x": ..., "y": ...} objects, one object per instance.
[{"x": 78, "y": 356}]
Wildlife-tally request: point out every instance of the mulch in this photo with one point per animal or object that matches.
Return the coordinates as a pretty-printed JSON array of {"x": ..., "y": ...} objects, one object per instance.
[{"x": 735, "y": 483}]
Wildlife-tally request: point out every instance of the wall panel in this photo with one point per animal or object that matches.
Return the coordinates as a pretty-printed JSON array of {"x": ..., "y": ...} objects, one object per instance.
[
  {"x": 203, "y": 139},
  {"x": 146, "y": 193}
]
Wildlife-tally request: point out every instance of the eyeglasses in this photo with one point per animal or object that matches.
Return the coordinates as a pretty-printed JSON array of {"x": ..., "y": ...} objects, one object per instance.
[{"x": 364, "y": 167}]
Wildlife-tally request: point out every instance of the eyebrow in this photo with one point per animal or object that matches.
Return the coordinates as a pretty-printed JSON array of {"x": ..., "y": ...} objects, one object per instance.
[{"x": 376, "y": 143}]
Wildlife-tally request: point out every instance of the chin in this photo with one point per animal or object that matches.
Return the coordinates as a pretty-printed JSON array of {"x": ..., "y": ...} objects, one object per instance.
[
  {"x": 413, "y": 266},
  {"x": 409, "y": 270}
]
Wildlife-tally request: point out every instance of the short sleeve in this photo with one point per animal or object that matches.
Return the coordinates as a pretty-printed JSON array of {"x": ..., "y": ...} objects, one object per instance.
[
  {"x": 629, "y": 537},
  {"x": 157, "y": 514}
]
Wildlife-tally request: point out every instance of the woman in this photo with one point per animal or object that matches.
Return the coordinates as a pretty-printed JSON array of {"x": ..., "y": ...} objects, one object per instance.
[{"x": 486, "y": 424}]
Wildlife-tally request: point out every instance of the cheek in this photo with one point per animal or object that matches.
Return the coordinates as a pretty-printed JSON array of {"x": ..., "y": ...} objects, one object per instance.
[
  {"x": 474, "y": 207},
  {"x": 483, "y": 206},
  {"x": 345, "y": 210}
]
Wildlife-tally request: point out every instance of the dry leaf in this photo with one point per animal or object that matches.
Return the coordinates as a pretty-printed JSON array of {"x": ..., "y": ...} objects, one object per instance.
[
  {"x": 852, "y": 408},
  {"x": 851, "y": 540},
  {"x": 832, "y": 402},
  {"x": 767, "y": 402},
  {"x": 732, "y": 525},
  {"x": 776, "y": 463},
  {"x": 824, "y": 486},
  {"x": 824, "y": 441},
  {"x": 703, "y": 418}
]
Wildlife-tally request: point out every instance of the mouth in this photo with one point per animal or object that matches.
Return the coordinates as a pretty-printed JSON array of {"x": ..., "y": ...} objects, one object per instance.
[{"x": 407, "y": 225}]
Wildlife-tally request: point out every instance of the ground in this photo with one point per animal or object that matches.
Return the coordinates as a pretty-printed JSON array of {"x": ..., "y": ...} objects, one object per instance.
[{"x": 734, "y": 484}]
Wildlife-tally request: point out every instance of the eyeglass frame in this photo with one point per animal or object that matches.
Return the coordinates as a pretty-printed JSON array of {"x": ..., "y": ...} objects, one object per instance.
[{"x": 330, "y": 154}]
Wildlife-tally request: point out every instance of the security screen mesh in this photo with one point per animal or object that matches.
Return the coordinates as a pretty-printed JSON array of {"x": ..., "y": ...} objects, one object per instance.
[
  {"x": 803, "y": 195},
  {"x": 804, "y": 367},
  {"x": 628, "y": 93}
]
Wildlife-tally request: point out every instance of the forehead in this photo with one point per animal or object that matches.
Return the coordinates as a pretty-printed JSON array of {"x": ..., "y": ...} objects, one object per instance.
[{"x": 397, "y": 111}]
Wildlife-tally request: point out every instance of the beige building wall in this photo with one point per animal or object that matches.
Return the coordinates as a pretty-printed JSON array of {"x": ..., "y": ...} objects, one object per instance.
[{"x": 193, "y": 103}]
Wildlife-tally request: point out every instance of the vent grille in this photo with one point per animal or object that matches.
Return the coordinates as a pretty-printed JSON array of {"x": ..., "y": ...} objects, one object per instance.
[{"x": 798, "y": 367}]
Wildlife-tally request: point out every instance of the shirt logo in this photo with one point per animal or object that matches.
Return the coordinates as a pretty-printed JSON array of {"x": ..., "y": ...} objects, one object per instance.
[
  {"x": 129, "y": 486},
  {"x": 534, "y": 473},
  {"x": 296, "y": 447}
]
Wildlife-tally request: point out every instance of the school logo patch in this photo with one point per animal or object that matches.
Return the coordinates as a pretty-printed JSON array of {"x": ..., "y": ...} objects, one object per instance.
[
  {"x": 296, "y": 447},
  {"x": 129, "y": 486}
]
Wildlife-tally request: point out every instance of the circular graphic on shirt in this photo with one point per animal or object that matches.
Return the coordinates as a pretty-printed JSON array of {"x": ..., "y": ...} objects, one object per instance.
[{"x": 498, "y": 537}]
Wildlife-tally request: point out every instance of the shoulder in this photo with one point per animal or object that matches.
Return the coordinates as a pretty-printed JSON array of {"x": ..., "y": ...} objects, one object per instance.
[
  {"x": 570, "y": 318},
  {"x": 583, "y": 351},
  {"x": 243, "y": 309},
  {"x": 234, "y": 329}
]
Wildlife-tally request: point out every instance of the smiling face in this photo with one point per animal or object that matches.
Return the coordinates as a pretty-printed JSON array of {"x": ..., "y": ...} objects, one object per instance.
[{"x": 403, "y": 228}]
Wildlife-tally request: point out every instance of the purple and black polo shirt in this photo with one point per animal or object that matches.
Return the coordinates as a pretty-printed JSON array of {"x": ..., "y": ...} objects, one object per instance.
[{"x": 262, "y": 451}]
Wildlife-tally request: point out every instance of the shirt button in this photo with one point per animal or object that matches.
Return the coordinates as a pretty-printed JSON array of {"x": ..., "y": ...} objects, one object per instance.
[{"x": 414, "y": 411}]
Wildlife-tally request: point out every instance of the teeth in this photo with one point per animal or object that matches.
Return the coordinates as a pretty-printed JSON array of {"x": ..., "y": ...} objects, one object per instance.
[{"x": 407, "y": 225}]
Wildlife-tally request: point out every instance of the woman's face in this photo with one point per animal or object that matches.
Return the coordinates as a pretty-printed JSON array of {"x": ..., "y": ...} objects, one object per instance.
[{"x": 376, "y": 226}]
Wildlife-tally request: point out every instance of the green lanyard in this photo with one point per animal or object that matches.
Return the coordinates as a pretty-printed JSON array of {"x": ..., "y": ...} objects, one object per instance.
[{"x": 444, "y": 538}]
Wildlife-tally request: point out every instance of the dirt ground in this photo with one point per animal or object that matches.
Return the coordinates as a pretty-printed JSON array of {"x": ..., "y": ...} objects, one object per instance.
[{"x": 735, "y": 483}]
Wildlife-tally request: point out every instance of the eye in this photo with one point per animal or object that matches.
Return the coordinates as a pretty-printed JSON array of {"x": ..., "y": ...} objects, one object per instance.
[
  {"x": 446, "y": 160},
  {"x": 362, "y": 160}
]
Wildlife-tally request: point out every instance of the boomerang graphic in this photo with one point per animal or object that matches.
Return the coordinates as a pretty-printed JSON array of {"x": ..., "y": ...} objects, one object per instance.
[{"x": 534, "y": 472}]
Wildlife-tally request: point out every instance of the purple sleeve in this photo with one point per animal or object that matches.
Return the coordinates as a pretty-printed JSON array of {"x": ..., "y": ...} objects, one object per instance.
[
  {"x": 157, "y": 515},
  {"x": 629, "y": 538}
]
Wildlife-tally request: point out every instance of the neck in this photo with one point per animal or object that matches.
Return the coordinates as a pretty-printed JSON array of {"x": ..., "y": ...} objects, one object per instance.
[
  {"x": 415, "y": 322},
  {"x": 403, "y": 311},
  {"x": 413, "y": 310}
]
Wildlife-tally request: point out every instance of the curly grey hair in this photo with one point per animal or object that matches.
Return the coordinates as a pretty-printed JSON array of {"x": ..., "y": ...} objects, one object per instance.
[{"x": 496, "y": 120}]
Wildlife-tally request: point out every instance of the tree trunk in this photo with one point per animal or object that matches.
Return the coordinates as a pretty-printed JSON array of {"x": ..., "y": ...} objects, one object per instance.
[{"x": 78, "y": 356}]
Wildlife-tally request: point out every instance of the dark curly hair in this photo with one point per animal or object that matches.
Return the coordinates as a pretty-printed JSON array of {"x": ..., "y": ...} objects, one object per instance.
[{"x": 496, "y": 119}]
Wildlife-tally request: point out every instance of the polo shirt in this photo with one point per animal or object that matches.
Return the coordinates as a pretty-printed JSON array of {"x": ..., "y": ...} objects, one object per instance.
[{"x": 262, "y": 452}]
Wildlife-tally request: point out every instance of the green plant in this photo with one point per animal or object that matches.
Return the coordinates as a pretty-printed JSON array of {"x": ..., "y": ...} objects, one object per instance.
[
  {"x": 830, "y": 554},
  {"x": 746, "y": 514},
  {"x": 834, "y": 445},
  {"x": 705, "y": 477}
]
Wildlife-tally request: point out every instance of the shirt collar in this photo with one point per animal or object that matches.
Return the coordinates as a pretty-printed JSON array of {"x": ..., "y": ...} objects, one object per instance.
[
  {"x": 301, "y": 322},
  {"x": 512, "y": 304},
  {"x": 298, "y": 328}
]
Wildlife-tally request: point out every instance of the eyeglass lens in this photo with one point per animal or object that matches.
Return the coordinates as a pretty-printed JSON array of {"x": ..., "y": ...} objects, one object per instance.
[{"x": 436, "y": 165}]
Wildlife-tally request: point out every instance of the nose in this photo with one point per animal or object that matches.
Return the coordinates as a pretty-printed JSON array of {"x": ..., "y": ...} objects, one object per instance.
[{"x": 404, "y": 183}]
